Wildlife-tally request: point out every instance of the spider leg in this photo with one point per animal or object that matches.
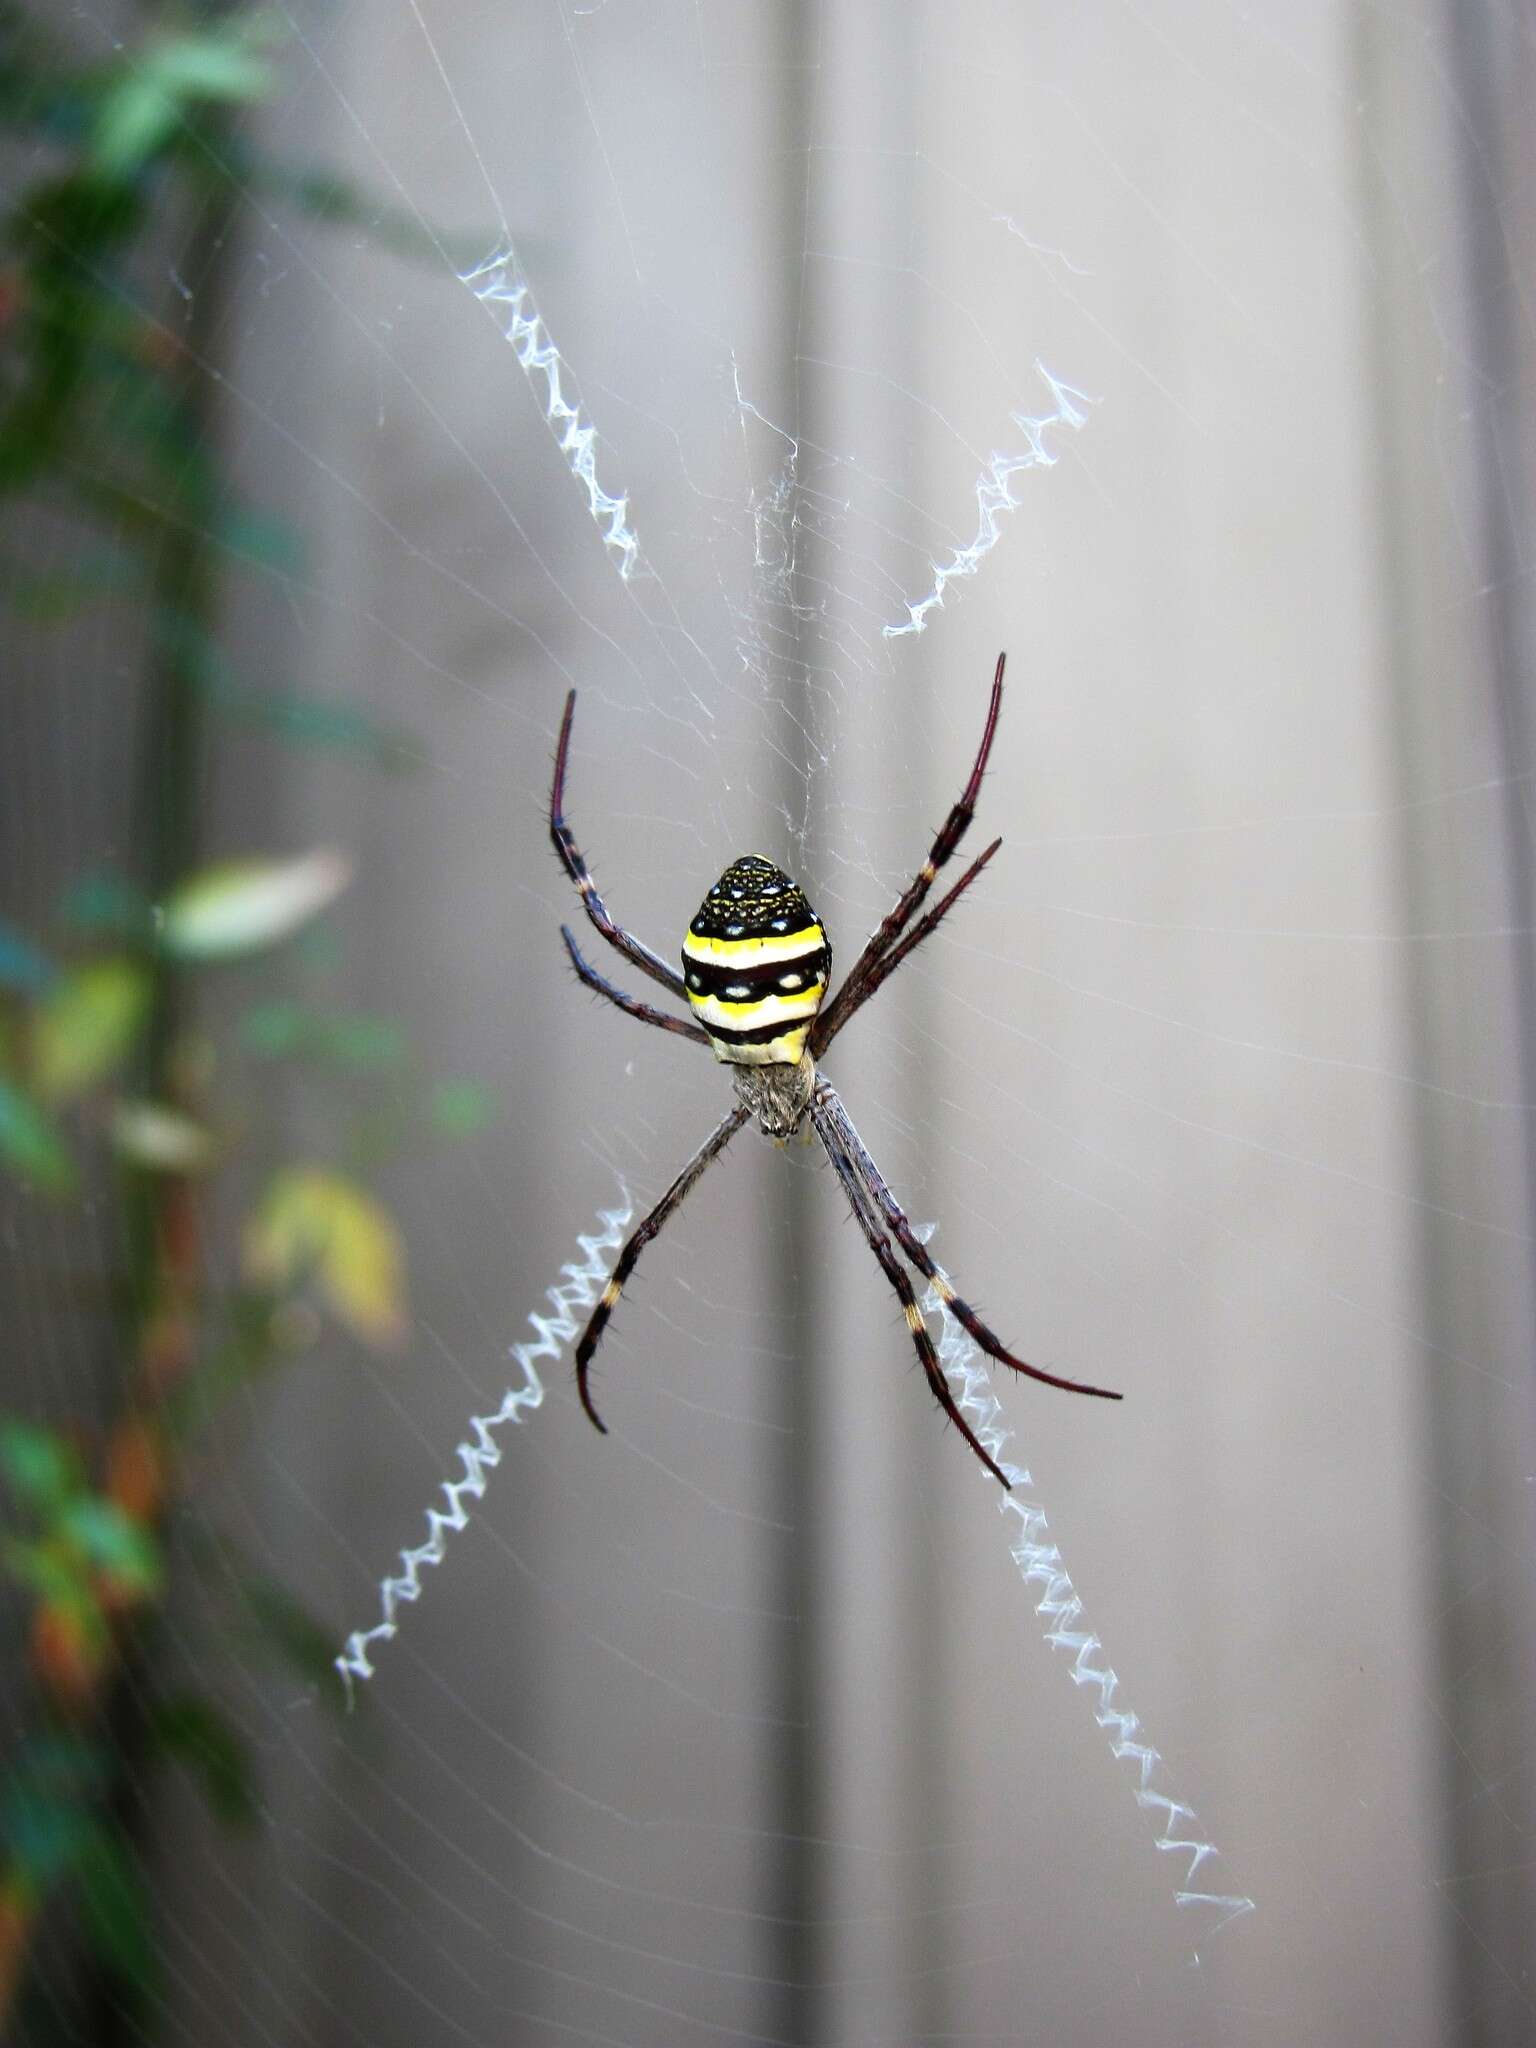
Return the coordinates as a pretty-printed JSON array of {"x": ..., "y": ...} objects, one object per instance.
[
  {"x": 860, "y": 1202},
  {"x": 851, "y": 999},
  {"x": 572, "y": 860},
  {"x": 629, "y": 1004},
  {"x": 950, "y": 833},
  {"x": 592, "y": 1335},
  {"x": 917, "y": 1252}
]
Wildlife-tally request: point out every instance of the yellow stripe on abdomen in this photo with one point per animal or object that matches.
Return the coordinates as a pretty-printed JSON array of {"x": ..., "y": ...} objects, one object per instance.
[
  {"x": 753, "y": 952},
  {"x": 767, "y": 1009}
]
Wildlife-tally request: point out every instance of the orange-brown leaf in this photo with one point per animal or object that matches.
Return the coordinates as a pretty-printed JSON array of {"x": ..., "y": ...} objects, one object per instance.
[{"x": 136, "y": 1468}]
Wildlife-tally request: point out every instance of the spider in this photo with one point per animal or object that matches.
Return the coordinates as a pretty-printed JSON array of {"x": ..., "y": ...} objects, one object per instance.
[{"x": 756, "y": 968}]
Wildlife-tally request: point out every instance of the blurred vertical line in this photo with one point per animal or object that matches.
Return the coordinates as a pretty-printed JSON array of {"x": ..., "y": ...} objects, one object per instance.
[
  {"x": 847, "y": 80},
  {"x": 170, "y": 767},
  {"x": 169, "y": 771},
  {"x": 1444, "y": 112},
  {"x": 1490, "y": 1669},
  {"x": 916, "y": 723},
  {"x": 796, "y": 1901},
  {"x": 1493, "y": 61}
]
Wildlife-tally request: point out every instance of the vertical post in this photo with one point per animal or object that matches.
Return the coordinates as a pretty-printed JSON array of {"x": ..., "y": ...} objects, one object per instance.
[
  {"x": 796, "y": 1893},
  {"x": 1446, "y": 110}
]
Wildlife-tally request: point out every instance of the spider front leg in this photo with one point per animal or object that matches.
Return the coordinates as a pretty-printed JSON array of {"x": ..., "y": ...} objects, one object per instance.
[
  {"x": 592, "y": 1335},
  {"x": 630, "y": 1005},
  {"x": 572, "y": 860},
  {"x": 896, "y": 1217},
  {"x": 949, "y": 836},
  {"x": 851, "y": 1000},
  {"x": 859, "y": 1200}
]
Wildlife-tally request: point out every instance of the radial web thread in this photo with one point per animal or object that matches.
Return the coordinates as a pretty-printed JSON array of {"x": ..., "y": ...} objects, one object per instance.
[
  {"x": 574, "y": 1294},
  {"x": 1040, "y": 1564}
]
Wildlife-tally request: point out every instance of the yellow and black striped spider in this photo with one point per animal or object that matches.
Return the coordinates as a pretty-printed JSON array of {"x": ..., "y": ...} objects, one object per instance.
[{"x": 756, "y": 965}]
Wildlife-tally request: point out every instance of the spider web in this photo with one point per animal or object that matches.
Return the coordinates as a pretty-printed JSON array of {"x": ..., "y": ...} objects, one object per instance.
[{"x": 775, "y": 371}]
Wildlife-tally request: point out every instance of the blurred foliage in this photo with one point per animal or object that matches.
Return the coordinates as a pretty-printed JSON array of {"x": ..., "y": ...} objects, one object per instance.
[{"x": 113, "y": 1088}]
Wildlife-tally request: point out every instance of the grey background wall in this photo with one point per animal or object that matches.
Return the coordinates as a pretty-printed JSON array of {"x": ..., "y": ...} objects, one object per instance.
[{"x": 739, "y": 1724}]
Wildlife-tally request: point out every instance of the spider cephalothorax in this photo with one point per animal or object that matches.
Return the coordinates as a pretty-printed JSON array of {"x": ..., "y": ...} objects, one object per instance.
[{"x": 756, "y": 964}]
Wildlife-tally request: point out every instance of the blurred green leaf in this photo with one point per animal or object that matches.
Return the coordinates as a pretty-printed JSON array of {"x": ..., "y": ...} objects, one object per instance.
[
  {"x": 291, "y": 1630},
  {"x": 131, "y": 126},
  {"x": 196, "y": 1733},
  {"x": 367, "y": 1042},
  {"x": 314, "y": 721},
  {"x": 184, "y": 640},
  {"x": 30, "y": 1145},
  {"x": 63, "y": 223},
  {"x": 458, "y": 1109},
  {"x": 283, "y": 1029},
  {"x": 29, "y": 74},
  {"x": 315, "y": 1222},
  {"x": 41, "y": 1466},
  {"x": 217, "y": 63},
  {"x": 260, "y": 538},
  {"x": 244, "y": 906},
  {"x": 148, "y": 101},
  {"x": 22, "y": 966},
  {"x": 115, "y": 1901},
  {"x": 45, "y": 1803},
  {"x": 325, "y": 195},
  {"x": 106, "y": 903},
  {"x": 86, "y": 1025},
  {"x": 161, "y": 1139},
  {"x": 112, "y": 1543},
  {"x": 43, "y": 1835},
  {"x": 274, "y": 1029},
  {"x": 55, "y": 1572}
]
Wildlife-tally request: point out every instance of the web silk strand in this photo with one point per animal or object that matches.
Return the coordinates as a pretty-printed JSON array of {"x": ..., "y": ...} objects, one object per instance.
[
  {"x": 480, "y": 1453},
  {"x": 994, "y": 497},
  {"x": 499, "y": 285},
  {"x": 1040, "y": 1564}
]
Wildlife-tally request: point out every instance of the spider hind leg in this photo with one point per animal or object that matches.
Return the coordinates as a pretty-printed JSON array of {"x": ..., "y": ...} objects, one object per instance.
[
  {"x": 649, "y": 1226},
  {"x": 897, "y": 1222},
  {"x": 875, "y": 1237}
]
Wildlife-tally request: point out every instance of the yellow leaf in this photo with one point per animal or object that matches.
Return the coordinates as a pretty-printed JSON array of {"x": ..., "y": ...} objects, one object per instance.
[
  {"x": 245, "y": 905},
  {"x": 85, "y": 1025},
  {"x": 315, "y": 1223}
]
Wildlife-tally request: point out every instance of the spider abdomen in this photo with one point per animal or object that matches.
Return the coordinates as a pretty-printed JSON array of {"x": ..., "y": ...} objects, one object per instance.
[{"x": 756, "y": 963}]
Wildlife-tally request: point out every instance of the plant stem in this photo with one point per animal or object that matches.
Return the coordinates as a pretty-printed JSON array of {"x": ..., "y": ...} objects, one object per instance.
[{"x": 165, "y": 1244}]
